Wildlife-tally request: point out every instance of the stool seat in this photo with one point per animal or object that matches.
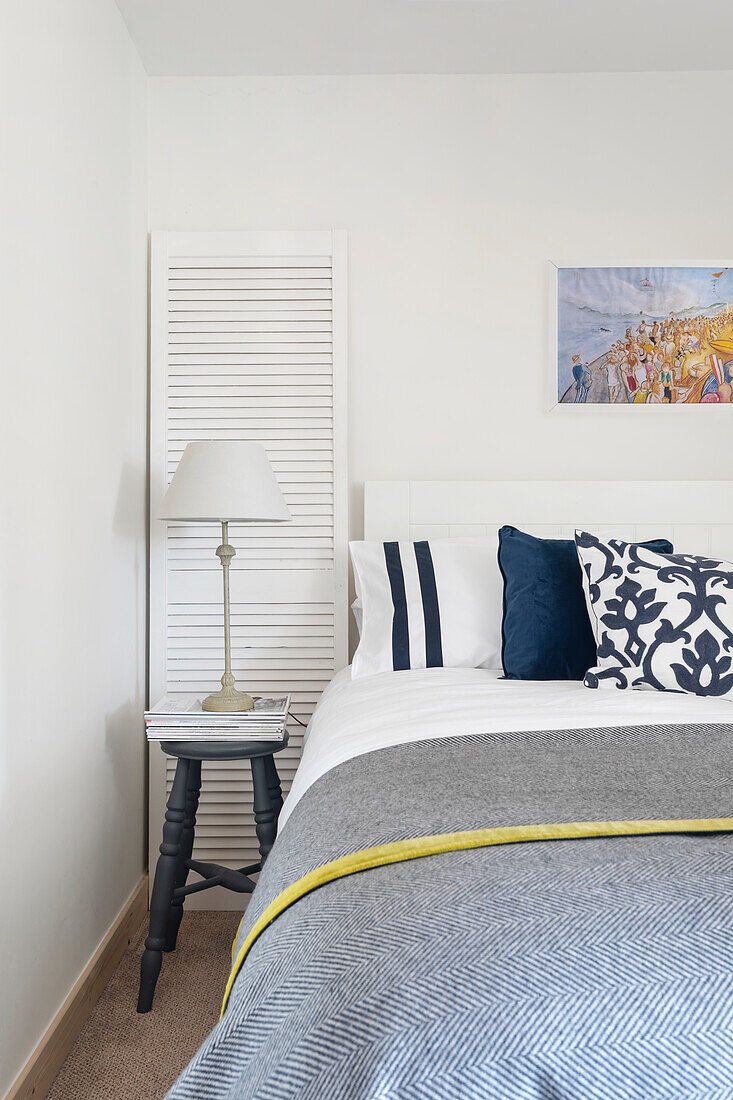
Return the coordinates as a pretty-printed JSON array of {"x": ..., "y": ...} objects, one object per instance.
[
  {"x": 222, "y": 750},
  {"x": 174, "y": 862}
]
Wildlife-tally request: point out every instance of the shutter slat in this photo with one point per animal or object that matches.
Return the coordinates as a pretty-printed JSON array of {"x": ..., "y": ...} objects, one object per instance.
[
  {"x": 241, "y": 325},
  {"x": 228, "y": 375},
  {"x": 278, "y": 298},
  {"x": 295, "y": 399},
  {"x": 307, "y": 387},
  {"x": 247, "y": 314},
  {"x": 217, "y": 263}
]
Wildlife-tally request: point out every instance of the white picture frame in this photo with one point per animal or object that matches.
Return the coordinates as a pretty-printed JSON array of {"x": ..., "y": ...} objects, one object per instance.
[{"x": 555, "y": 341}]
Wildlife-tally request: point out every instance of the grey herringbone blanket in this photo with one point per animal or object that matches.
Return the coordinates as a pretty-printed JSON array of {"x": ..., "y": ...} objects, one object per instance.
[{"x": 577, "y": 969}]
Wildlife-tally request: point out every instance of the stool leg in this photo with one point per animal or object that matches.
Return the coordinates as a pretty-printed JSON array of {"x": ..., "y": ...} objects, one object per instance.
[
  {"x": 273, "y": 785},
  {"x": 265, "y": 811},
  {"x": 163, "y": 885},
  {"x": 193, "y": 788}
]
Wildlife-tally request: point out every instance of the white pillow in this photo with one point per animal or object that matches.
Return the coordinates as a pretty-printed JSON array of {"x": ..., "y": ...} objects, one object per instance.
[
  {"x": 662, "y": 621},
  {"x": 425, "y": 604},
  {"x": 356, "y": 611}
]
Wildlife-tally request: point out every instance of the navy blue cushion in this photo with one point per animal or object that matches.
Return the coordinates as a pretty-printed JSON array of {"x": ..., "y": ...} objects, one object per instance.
[{"x": 546, "y": 633}]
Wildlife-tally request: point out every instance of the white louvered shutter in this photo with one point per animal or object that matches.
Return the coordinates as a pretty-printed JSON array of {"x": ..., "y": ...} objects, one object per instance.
[{"x": 248, "y": 342}]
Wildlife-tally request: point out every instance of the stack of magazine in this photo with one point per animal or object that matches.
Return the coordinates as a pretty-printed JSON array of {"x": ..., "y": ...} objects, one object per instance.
[{"x": 177, "y": 718}]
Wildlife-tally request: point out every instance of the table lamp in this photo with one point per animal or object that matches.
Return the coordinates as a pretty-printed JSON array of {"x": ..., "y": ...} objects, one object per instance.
[{"x": 224, "y": 482}]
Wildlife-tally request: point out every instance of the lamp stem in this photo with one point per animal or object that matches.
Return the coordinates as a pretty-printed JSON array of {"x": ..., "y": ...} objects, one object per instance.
[
  {"x": 225, "y": 560},
  {"x": 228, "y": 699}
]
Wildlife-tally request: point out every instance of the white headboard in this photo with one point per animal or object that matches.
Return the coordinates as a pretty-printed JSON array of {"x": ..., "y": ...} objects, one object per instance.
[{"x": 696, "y": 515}]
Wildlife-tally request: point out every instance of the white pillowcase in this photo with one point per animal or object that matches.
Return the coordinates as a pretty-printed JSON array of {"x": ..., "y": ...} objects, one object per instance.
[{"x": 436, "y": 602}]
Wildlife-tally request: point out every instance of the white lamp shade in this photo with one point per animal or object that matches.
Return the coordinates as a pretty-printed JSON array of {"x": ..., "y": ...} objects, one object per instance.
[{"x": 224, "y": 481}]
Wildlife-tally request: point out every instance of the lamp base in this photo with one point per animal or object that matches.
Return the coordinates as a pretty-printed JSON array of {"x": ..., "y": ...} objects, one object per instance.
[{"x": 228, "y": 699}]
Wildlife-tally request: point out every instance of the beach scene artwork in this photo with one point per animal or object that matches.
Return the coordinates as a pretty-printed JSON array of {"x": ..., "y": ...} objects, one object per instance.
[{"x": 644, "y": 335}]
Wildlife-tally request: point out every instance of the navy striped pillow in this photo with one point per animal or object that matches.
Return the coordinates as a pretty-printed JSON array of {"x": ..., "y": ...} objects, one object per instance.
[{"x": 427, "y": 604}]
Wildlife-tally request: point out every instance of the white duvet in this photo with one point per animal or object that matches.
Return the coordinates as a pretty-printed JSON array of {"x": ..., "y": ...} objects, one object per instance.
[{"x": 391, "y": 708}]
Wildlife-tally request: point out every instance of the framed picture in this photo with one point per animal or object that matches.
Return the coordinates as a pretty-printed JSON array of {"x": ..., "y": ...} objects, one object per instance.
[{"x": 656, "y": 334}]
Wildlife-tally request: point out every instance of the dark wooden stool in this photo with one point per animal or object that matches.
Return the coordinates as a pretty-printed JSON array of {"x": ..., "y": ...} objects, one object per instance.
[{"x": 174, "y": 861}]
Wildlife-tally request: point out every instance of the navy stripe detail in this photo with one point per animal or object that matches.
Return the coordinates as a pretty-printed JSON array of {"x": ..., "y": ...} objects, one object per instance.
[
  {"x": 400, "y": 632},
  {"x": 430, "y": 608}
]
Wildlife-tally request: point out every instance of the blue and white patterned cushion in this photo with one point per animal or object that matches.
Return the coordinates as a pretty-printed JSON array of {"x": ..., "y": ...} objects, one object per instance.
[{"x": 661, "y": 621}]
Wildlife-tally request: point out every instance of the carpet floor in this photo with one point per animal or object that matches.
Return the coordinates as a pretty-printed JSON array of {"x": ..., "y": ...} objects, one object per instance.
[{"x": 120, "y": 1055}]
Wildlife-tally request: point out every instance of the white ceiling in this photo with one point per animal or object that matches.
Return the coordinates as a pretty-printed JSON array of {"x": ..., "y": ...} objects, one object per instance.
[{"x": 237, "y": 37}]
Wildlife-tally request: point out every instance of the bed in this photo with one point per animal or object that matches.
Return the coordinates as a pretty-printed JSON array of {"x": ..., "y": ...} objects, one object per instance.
[{"x": 493, "y": 888}]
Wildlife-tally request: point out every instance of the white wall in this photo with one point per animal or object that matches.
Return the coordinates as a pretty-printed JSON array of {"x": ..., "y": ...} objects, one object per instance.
[
  {"x": 72, "y": 498},
  {"x": 455, "y": 192}
]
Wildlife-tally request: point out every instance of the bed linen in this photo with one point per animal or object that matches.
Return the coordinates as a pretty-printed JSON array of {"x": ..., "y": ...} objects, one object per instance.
[
  {"x": 503, "y": 964},
  {"x": 358, "y": 716}
]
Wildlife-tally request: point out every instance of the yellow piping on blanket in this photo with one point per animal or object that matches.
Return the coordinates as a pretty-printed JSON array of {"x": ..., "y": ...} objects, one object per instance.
[{"x": 401, "y": 850}]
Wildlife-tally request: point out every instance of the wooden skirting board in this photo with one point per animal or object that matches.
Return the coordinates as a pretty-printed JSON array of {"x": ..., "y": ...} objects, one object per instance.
[{"x": 37, "y": 1075}]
